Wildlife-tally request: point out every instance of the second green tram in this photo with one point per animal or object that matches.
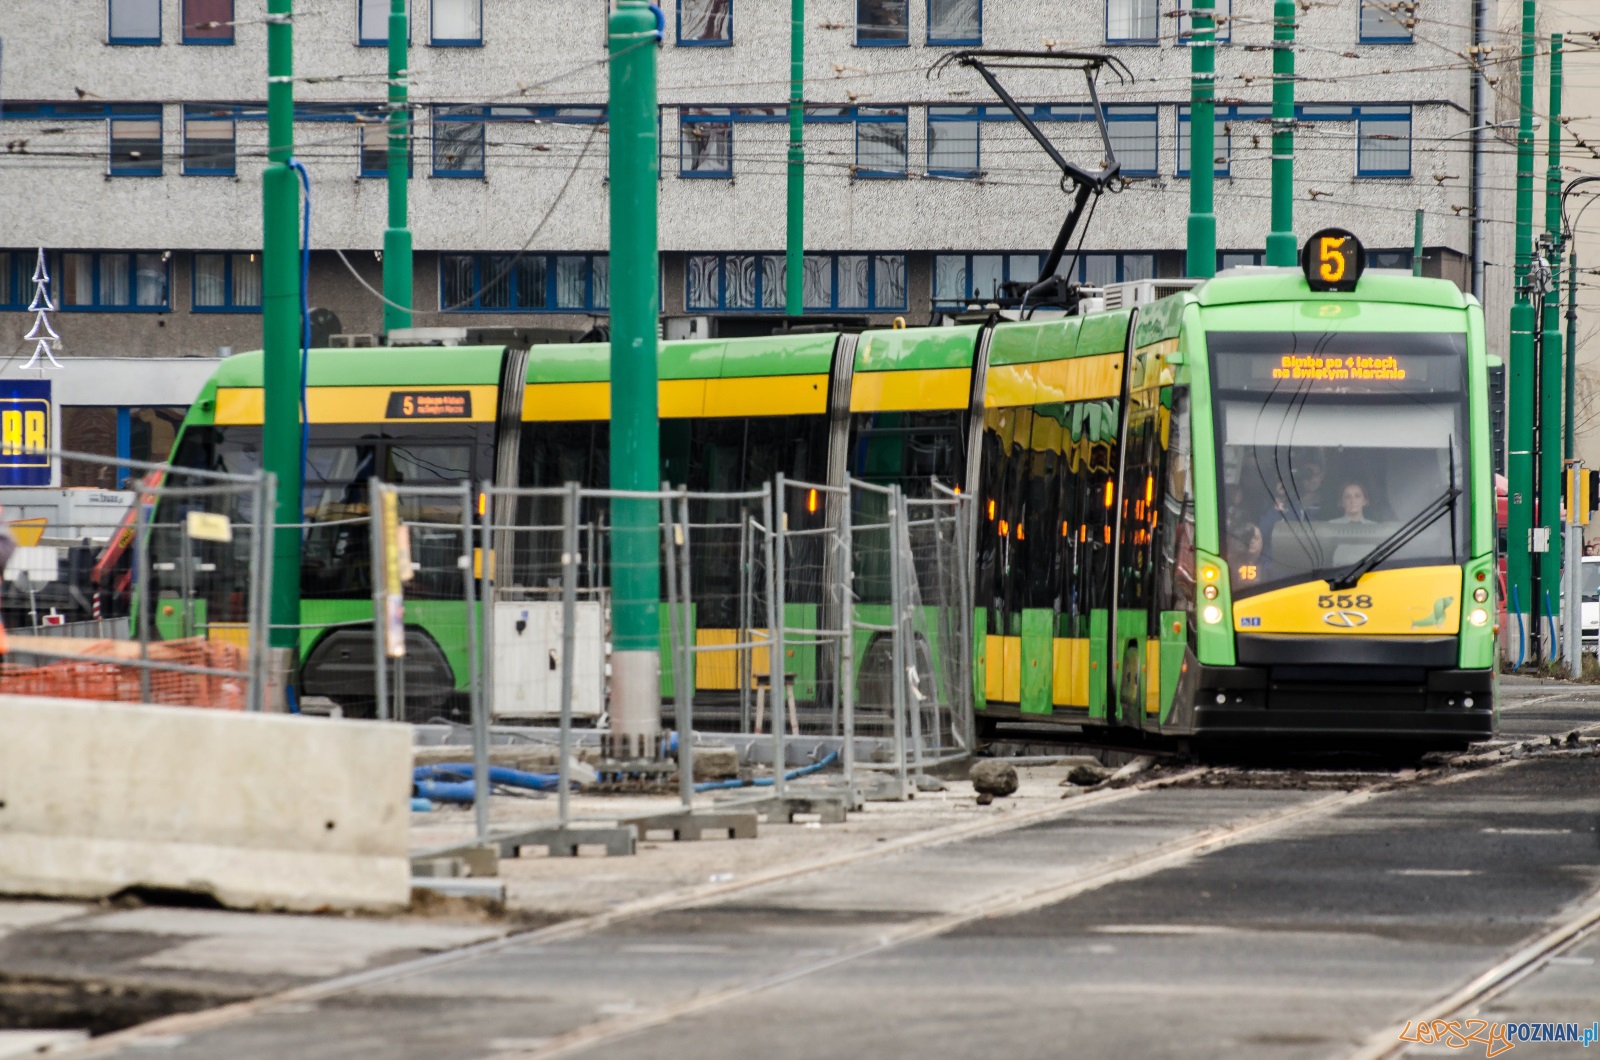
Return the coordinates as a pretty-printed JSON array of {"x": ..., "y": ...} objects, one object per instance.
[{"x": 1247, "y": 508}]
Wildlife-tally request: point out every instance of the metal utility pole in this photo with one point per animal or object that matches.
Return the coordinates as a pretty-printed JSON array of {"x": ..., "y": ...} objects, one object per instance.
[
  {"x": 794, "y": 284},
  {"x": 397, "y": 237},
  {"x": 281, "y": 324},
  {"x": 1202, "y": 261},
  {"x": 635, "y": 426},
  {"x": 1480, "y": 97},
  {"x": 1416, "y": 245},
  {"x": 1281, "y": 247},
  {"x": 1548, "y": 445},
  {"x": 1519, "y": 443}
]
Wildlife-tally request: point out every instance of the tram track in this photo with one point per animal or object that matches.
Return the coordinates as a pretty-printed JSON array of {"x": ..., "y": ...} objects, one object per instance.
[{"x": 1345, "y": 790}]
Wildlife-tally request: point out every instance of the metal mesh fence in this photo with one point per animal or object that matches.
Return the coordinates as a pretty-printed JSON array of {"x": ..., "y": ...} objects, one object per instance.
[
  {"x": 152, "y": 594},
  {"x": 425, "y": 553}
]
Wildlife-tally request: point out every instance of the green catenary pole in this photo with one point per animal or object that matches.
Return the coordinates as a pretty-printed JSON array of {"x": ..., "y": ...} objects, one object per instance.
[
  {"x": 280, "y": 323},
  {"x": 397, "y": 237},
  {"x": 794, "y": 285},
  {"x": 1202, "y": 142},
  {"x": 635, "y": 429},
  {"x": 1281, "y": 247},
  {"x": 1548, "y": 445},
  {"x": 1519, "y": 446},
  {"x": 1417, "y": 244}
]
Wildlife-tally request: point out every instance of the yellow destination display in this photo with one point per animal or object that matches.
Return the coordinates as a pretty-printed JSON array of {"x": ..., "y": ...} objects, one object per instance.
[
  {"x": 1416, "y": 601},
  {"x": 1364, "y": 368}
]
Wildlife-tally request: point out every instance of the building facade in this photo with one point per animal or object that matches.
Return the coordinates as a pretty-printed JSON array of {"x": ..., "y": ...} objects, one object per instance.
[{"x": 136, "y": 136}]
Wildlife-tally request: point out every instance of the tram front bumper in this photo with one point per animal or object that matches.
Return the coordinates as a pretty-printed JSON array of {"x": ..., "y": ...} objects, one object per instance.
[{"x": 1450, "y": 704}]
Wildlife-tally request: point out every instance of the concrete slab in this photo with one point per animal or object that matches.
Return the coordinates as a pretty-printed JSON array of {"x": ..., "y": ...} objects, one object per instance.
[
  {"x": 19, "y": 916},
  {"x": 257, "y": 810},
  {"x": 17, "y": 1044}
]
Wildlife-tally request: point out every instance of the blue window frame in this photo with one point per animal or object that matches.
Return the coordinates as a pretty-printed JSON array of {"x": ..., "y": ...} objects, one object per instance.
[
  {"x": 133, "y": 22},
  {"x": 226, "y": 283},
  {"x": 121, "y": 281},
  {"x": 955, "y": 134},
  {"x": 705, "y": 23},
  {"x": 372, "y": 23},
  {"x": 883, "y": 23},
  {"x": 1222, "y": 21},
  {"x": 134, "y": 145},
  {"x": 705, "y": 142},
  {"x": 375, "y": 150},
  {"x": 458, "y": 142},
  {"x": 881, "y": 136},
  {"x": 209, "y": 140},
  {"x": 1133, "y": 21},
  {"x": 1098, "y": 269},
  {"x": 527, "y": 283},
  {"x": 960, "y": 280},
  {"x": 1132, "y": 130},
  {"x": 455, "y": 23},
  {"x": 735, "y": 283},
  {"x": 1383, "y": 142},
  {"x": 954, "y": 147},
  {"x": 208, "y": 22},
  {"x": 955, "y": 22},
  {"x": 1248, "y": 121},
  {"x": 1381, "y": 22}
]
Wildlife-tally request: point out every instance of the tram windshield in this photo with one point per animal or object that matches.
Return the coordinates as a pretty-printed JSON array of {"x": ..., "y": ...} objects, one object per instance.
[{"x": 1339, "y": 452}]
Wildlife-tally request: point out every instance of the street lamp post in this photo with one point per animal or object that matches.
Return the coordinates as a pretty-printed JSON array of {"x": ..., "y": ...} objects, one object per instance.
[{"x": 1574, "y": 524}]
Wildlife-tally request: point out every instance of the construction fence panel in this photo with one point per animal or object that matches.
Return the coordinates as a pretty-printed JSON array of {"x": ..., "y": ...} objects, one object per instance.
[{"x": 156, "y": 593}]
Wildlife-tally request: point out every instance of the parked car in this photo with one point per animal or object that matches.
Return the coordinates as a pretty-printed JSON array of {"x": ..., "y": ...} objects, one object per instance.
[{"x": 1589, "y": 594}]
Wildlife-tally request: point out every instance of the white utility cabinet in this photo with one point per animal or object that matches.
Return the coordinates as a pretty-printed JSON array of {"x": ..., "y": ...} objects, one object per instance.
[{"x": 527, "y": 660}]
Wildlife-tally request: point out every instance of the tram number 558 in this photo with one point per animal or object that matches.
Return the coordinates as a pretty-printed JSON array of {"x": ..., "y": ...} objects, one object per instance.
[{"x": 1342, "y": 601}]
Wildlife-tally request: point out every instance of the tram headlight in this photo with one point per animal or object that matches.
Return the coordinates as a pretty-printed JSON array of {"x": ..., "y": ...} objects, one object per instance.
[
  {"x": 1210, "y": 592},
  {"x": 1212, "y": 614},
  {"x": 1478, "y": 617},
  {"x": 1480, "y": 594}
]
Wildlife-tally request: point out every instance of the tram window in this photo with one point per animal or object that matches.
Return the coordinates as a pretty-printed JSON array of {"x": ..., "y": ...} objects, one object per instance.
[
  {"x": 1313, "y": 486},
  {"x": 909, "y": 449},
  {"x": 1175, "y": 527},
  {"x": 412, "y": 464}
]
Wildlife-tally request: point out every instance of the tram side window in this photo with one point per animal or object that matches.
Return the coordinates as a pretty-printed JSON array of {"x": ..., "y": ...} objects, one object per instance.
[
  {"x": 218, "y": 573},
  {"x": 909, "y": 449},
  {"x": 1175, "y": 526},
  {"x": 1090, "y": 442},
  {"x": 434, "y": 519},
  {"x": 336, "y": 557},
  {"x": 1140, "y": 504}
]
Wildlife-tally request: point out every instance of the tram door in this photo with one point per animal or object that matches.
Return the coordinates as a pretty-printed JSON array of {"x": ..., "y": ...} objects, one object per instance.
[{"x": 1136, "y": 633}]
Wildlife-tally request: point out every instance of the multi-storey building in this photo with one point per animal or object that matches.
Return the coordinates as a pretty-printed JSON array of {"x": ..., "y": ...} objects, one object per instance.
[{"x": 135, "y": 138}]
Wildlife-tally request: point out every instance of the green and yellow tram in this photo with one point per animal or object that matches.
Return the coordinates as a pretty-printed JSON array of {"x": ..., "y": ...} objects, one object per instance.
[{"x": 1262, "y": 505}]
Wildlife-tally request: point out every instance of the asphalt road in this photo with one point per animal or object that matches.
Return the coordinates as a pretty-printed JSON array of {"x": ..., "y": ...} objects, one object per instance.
[{"x": 1247, "y": 915}]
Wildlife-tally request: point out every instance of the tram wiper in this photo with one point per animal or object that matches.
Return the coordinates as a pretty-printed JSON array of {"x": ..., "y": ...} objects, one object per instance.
[{"x": 1432, "y": 513}]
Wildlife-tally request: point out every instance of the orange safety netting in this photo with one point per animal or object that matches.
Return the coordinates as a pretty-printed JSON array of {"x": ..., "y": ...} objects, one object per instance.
[{"x": 100, "y": 674}]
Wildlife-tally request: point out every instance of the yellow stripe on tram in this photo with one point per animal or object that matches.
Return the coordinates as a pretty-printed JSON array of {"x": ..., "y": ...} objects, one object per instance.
[{"x": 909, "y": 391}]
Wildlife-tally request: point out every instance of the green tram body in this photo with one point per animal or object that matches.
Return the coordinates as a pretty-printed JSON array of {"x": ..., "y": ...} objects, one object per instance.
[{"x": 1116, "y": 581}]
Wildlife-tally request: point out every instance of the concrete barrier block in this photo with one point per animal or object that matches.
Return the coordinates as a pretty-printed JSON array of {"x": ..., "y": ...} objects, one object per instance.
[{"x": 259, "y": 810}]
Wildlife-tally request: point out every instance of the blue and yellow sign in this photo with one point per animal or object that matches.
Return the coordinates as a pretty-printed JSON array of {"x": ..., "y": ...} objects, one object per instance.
[{"x": 24, "y": 432}]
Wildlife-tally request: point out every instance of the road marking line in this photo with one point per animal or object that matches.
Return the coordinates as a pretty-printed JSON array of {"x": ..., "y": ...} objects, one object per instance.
[{"x": 191, "y": 1023}]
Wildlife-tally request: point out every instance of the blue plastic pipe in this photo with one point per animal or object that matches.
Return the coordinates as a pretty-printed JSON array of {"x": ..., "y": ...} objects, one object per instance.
[{"x": 766, "y": 782}]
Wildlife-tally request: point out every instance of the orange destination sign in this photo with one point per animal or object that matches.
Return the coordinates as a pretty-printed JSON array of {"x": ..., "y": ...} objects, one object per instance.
[
  {"x": 1355, "y": 367},
  {"x": 429, "y": 405}
]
